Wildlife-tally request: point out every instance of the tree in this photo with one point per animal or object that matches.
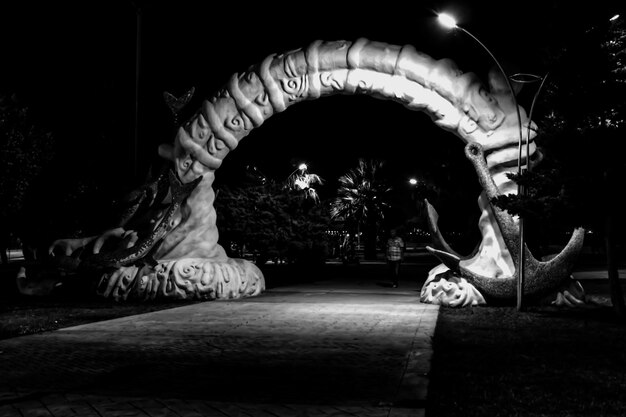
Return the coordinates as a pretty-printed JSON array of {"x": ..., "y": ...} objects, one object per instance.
[
  {"x": 25, "y": 149},
  {"x": 583, "y": 127},
  {"x": 271, "y": 220},
  {"x": 361, "y": 201}
]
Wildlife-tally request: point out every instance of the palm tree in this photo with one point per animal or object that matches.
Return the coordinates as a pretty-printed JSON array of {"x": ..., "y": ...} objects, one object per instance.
[{"x": 361, "y": 201}]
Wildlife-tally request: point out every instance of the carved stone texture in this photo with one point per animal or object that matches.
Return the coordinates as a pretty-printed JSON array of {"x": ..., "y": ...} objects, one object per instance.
[
  {"x": 443, "y": 287},
  {"x": 187, "y": 278}
]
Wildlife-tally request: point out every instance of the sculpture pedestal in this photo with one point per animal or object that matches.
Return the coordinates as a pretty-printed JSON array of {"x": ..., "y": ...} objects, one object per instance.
[
  {"x": 444, "y": 287},
  {"x": 187, "y": 278}
]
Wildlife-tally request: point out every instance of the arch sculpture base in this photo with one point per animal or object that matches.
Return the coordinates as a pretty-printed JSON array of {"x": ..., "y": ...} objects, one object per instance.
[{"x": 187, "y": 278}]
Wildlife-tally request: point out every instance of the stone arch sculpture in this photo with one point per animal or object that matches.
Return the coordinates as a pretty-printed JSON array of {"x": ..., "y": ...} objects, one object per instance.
[{"x": 178, "y": 255}]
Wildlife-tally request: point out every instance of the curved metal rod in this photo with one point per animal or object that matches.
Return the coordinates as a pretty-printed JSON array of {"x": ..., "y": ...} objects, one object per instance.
[
  {"x": 512, "y": 91},
  {"x": 520, "y": 190},
  {"x": 525, "y": 78},
  {"x": 530, "y": 116}
]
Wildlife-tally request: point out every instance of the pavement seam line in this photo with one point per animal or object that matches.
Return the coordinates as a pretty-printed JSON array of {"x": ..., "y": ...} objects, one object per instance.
[{"x": 408, "y": 361}]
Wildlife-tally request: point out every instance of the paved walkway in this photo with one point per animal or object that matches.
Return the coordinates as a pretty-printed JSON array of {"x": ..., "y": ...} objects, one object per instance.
[
  {"x": 330, "y": 348},
  {"x": 600, "y": 274}
]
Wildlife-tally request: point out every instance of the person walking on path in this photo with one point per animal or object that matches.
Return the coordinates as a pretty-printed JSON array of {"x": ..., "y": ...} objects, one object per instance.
[{"x": 394, "y": 253}]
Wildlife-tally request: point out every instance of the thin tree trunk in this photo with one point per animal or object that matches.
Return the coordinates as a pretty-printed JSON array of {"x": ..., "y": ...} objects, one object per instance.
[
  {"x": 370, "y": 241},
  {"x": 617, "y": 295}
]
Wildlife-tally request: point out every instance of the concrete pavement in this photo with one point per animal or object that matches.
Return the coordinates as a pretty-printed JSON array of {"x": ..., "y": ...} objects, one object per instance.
[
  {"x": 599, "y": 274},
  {"x": 340, "y": 347}
]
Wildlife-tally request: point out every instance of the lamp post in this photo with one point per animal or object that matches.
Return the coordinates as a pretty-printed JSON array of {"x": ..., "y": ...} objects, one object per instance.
[
  {"x": 294, "y": 180},
  {"x": 530, "y": 78},
  {"x": 302, "y": 168},
  {"x": 413, "y": 184},
  {"x": 139, "y": 13},
  {"x": 449, "y": 22}
]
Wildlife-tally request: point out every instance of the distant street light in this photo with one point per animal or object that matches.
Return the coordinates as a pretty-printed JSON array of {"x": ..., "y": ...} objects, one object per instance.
[
  {"x": 294, "y": 180},
  {"x": 302, "y": 167},
  {"x": 301, "y": 180},
  {"x": 413, "y": 182},
  {"x": 449, "y": 22}
]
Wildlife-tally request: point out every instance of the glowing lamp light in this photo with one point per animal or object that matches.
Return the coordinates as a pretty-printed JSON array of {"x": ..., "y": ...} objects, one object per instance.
[
  {"x": 412, "y": 181},
  {"x": 446, "y": 20}
]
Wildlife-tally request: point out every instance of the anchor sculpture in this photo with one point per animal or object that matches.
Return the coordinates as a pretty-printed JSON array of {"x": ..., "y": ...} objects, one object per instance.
[
  {"x": 449, "y": 283},
  {"x": 185, "y": 259}
]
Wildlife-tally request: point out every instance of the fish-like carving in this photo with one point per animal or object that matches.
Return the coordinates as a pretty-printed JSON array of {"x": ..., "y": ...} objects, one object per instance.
[
  {"x": 176, "y": 104},
  {"x": 141, "y": 248}
]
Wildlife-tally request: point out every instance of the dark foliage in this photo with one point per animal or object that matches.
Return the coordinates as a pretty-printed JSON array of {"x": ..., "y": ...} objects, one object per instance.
[
  {"x": 25, "y": 150},
  {"x": 582, "y": 121},
  {"x": 269, "y": 221}
]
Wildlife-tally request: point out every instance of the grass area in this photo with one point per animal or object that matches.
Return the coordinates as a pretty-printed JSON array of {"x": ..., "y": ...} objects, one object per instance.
[
  {"x": 544, "y": 361},
  {"x": 77, "y": 304},
  {"x": 22, "y": 315}
]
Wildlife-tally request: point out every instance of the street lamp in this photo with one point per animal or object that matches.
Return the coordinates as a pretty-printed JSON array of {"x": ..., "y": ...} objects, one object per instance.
[
  {"x": 302, "y": 167},
  {"x": 139, "y": 13},
  {"x": 530, "y": 78},
  {"x": 413, "y": 182},
  {"x": 449, "y": 22},
  {"x": 292, "y": 179},
  {"x": 304, "y": 181}
]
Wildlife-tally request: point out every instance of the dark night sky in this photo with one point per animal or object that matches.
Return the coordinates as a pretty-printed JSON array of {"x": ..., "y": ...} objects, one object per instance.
[{"x": 74, "y": 65}]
